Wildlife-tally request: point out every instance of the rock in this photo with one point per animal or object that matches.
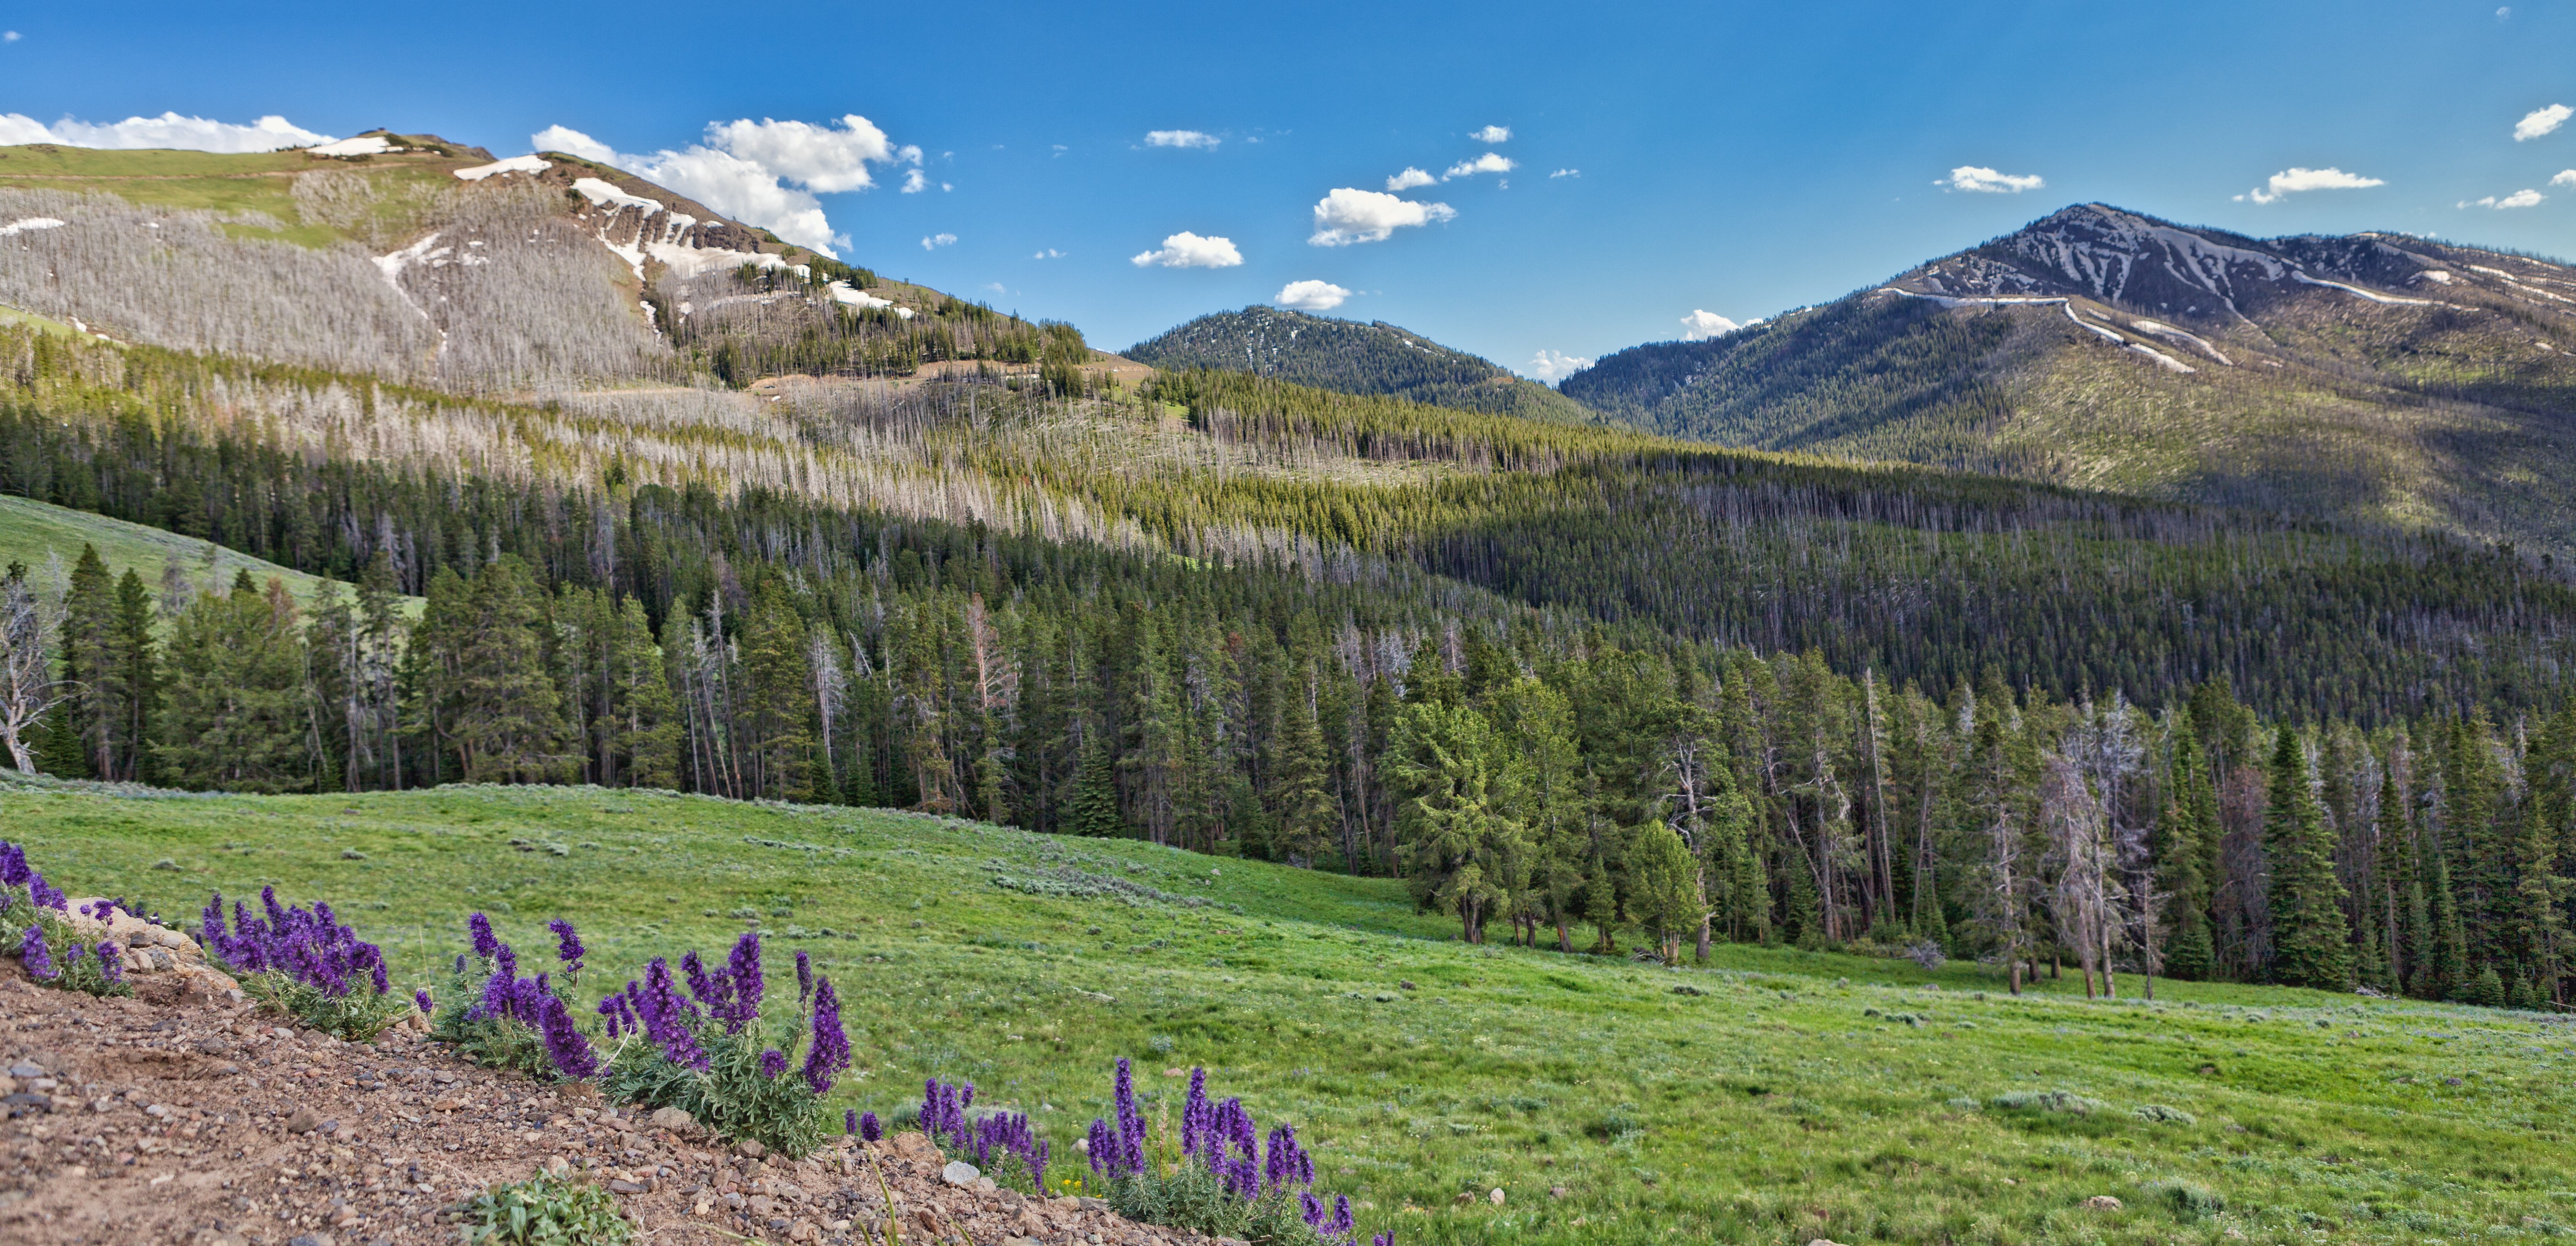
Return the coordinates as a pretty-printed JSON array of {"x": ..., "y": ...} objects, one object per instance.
[
  {"x": 305, "y": 1121},
  {"x": 959, "y": 1173},
  {"x": 672, "y": 1119},
  {"x": 2102, "y": 1202},
  {"x": 25, "y": 1103},
  {"x": 26, "y": 1069},
  {"x": 1556, "y": 1191},
  {"x": 1496, "y": 1198},
  {"x": 311, "y": 1239},
  {"x": 1824, "y": 1241},
  {"x": 751, "y": 1148},
  {"x": 625, "y": 1187}
]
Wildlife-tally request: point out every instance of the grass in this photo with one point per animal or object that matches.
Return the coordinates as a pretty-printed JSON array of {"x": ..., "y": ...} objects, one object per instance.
[
  {"x": 1794, "y": 1096},
  {"x": 31, "y": 530},
  {"x": 226, "y": 183}
]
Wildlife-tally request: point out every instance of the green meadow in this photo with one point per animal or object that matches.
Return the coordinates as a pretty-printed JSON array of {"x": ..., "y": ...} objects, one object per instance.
[{"x": 1773, "y": 1095}]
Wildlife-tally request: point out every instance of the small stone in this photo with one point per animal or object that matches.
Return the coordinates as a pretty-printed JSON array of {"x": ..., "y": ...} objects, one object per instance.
[
  {"x": 751, "y": 1148},
  {"x": 305, "y": 1121},
  {"x": 672, "y": 1119},
  {"x": 1496, "y": 1198},
  {"x": 26, "y": 1069},
  {"x": 1556, "y": 1191},
  {"x": 959, "y": 1173},
  {"x": 2102, "y": 1202},
  {"x": 626, "y": 1187},
  {"x": 1824, "y": 1241},
  {"x": 311, "y": 1239}
]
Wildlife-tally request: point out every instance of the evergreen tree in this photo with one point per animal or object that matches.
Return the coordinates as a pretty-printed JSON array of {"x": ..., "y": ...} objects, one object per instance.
[
  {"x": 1457, "y": 785},
  {"x": 509, "y": 722},
  {"x": 2311, "y": 945},
  {"x": 236, "y": 714},
  {"x": 1664, "y": 887},
  {"x": 2184, "y": 832},
  {"x": 1302, "y": 804},
  {"x": 1093, "y": 808},
  {"x": 778, "y": 708}
]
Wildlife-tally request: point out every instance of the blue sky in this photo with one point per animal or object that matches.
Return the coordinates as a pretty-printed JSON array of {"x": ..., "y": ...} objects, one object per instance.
[{"x": 1733, "y": 159}]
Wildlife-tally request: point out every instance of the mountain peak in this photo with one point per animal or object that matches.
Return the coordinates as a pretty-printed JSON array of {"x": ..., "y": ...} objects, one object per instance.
[{"x": 1353, "y": 358}]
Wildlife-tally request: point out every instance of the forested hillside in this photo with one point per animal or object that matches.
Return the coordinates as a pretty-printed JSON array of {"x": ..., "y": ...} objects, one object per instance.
[
  {"x": 1353, "y": 358},
  {"x": 2380, "y": 378},
  {"x": 1555, "y": 677}
]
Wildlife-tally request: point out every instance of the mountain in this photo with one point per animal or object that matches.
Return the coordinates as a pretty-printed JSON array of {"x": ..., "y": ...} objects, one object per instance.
[
  {"x": 2378, "y": 377},
  {"x": 1353, "y": 358}
]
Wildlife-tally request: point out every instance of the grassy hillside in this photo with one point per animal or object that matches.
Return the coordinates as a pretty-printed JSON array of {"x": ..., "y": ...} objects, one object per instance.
[
  {"x": 2379, "y": 378},
  {"x": 32, "y": 531},
  {"x": 1776, "y": 1096},
  {"x": 1353, "y": 358}
]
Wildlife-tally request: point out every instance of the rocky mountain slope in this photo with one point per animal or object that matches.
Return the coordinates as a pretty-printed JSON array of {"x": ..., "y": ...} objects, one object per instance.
[
  {"x": 2377, "y": 377},
  {"x": 1353, "y": 358}
]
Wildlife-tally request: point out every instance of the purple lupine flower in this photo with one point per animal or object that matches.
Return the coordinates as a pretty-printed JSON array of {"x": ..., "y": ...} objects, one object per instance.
[
  {"x": 742, "y": 970},
  {"x": 1194, "y": 1114},
  {"x": 44, "y": 895},
  {"x": 565, "y": 1045},
  {"x": 670, "y": 1020},
  {"x": 506, "y": 959},
  {"x": 804, "y": 976},
  {"x": 608, "y": 1011},
  {"x": 420, "y": 996},
  {"x": 111, "y": 963},
  {"x": 850, "y": 1122},
  {"x": 772, "y": 1063},
  {"x": 568, "y": 947},
  {"x": 828, "y": 1052},
  {"x": 1288, "y": 1164},
  {"x": 485, "y": 942},
  {"x": 38, "y": 958},
  {"x": 13, "y": 864},
  {"x": 1383, "y": 1239},
  {"x": 869, "y": 1129}
]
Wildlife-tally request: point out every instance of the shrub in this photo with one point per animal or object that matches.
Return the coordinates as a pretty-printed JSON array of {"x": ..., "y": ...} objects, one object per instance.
[
  {"x": 2066, "y": 1101},
  {"x": 47, "y": 945},
  {"x": 1207, "y": 1179},
  {"x": 1023, "y": 1161},
  {"x": 2163, "y": 1115},
  {"x": 2191, "y": 1202},
  {"x": 546, "y": 1211},
  {"x": 305, "y": 964}
]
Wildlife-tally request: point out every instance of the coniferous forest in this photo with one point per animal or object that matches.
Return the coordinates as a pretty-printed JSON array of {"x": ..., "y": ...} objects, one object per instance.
[{"x": 1583, "y": 690}]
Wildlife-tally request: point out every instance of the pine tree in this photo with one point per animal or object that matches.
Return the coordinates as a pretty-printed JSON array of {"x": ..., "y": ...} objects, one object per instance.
[
  {"x": 510, "y": 717},
  {"x": 92, "y": 671},
  {"x": 138, "y": 680},
  {"x": 642, "y": 728},
  {"x": 2311, "y": 945},
  {"x": 778, "y": 706},
  {"x": 2183, "y": 834},
  {"x": 1093, "y": 808},
  {"x": 1301, "y": 801},
  {"x": 236, "y": 717},
  {"x": 1456, "y": 786},
  {"x": 1664, "y": 886}
]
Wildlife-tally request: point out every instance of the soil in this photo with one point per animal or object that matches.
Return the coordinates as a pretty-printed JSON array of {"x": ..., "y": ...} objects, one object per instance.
[{"x": 194, "y": 1118}]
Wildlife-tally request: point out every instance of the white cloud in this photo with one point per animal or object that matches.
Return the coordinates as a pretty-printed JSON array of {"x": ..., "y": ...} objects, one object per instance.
[
  {"x": 1984, "y": 181},
  {"x": 167, "y": 130},
  {"x": 1188, "y": 250},
  {"x": 2293, "y": 180},
  {"x": 1049, "y": 254},
  {"x": 10, "y": 36},
  {"x": 2566, "y": 177},
  {"x": 1347, "y": 216},
  {"x": 1552, "y": 366},
  {"x": 1699, "y": 326},
  {"x": 1565, "y": 173},
  {"x": 914, "y": 182},
  {"x": 2541, "y": 121},
  {"x": 936, "y": 241},
  {"x": 1180, "y": 138},
  {"x": 2518, "y": 199},
  {"x": 1407, "y": 180},
  {"x": 1311, "y": 295},
  {"x": 1490, "y": 162},
  {"x": 741, "y": 168},
  {"x": 1493, "y": 134}
]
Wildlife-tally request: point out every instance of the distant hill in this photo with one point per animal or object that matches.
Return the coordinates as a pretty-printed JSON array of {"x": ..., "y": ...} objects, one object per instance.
[
  {"x": 2377, "y": 377},
  {"x": 1353, "y": 358}
]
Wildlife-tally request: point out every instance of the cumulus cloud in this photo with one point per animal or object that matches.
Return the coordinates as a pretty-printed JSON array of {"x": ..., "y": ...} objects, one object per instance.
[
  {"x": 2291, "y": 181},
  {"x": 1553, "y": 366},
  {"x": 1407, "y": 180},
  {"x": 1984, "y": 181},
  {"x": 743, "y": 169},
  {"x": 10, "y": 36},
  {"x": 2541, "y": 121},
  {"x": 1348, "y": 216},
  {"x": 1180, "y": 138},
  {"x": 1493, "y": 134},
  {"x": 935, "y": 241},
  {"x": 1490, "y": 162},
  {"x": 1049, "y": 254},
  {"x": 1311, "y": 295},
  {"x": 915, "y": 181},
  {"x": 168, "y": 130},
  {"x": 2519, "y": 199},
  {"x": 1188, "y": 250},
  {"x": 2566, "y": 177},
  {"x": 1699, "y": 326},
  {"x": 1565, "y": 173}
]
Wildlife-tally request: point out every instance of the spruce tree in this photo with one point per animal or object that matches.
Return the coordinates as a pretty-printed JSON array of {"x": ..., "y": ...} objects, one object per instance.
[
  {"x": 509, "y": 719},
  {"x": 236, "y": 717},
  {"x": 2183, "y": 831},
  {"x": 2311, "y": 944},
  {"x": 1093, "y": 808},
  {"x": 1664, "y": 887}
]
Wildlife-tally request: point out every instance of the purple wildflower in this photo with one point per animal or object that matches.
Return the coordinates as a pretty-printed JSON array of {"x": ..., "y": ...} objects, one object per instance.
[
  {"x": 38, "y": 958},
  {"x": 111, "y": 963},
  {"x": 804, "y": 977},
  {"x": 869, "y": 1129},
  {"x": 507, "y": 960},
  {"x": 565, "y": 1045},
  {"x": 13, "y": 864},
  {"x": 485, "y": 943},
  {"x": 772, "y": 1063},
  {"x": 829, "y": 1050},
  {"x": 850, "y": 1122},
  {"x": 421, "y": 997},
  {"x": 670, "y": 1020},
  {"x": 568, "y": 947},
  {"x": 742, "y": 971},
  {"x": 44, "y": 894}
]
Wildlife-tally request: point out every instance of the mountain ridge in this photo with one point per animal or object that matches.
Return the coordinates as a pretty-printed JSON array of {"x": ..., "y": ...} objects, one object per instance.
[{"x": 1352, "y": 357}]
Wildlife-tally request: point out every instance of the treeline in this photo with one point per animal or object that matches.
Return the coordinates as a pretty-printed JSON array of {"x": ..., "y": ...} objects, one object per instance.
[
  {"x": 741, "y": 325},
  {"x": 1353, "y": 358}
]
